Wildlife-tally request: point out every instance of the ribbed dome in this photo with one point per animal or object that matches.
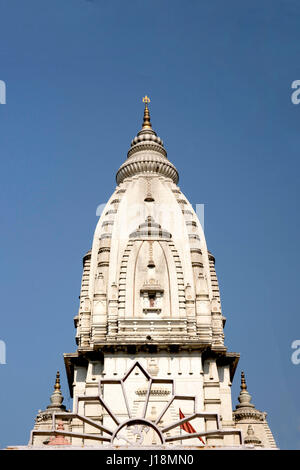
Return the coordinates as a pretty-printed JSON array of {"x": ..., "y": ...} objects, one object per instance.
[
  {"x": 147, "y": 155},
  {"x": 147, "y": 136},
  {"x": 147, "y": 161}
]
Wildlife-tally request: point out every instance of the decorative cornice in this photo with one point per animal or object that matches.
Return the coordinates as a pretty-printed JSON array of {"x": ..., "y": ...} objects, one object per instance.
[
  {"x": 141, "y": 146},
  {"x": 157, "y": 391},
  {"x": 249, "y": 413},
  {"x": 147, "y": 162}
]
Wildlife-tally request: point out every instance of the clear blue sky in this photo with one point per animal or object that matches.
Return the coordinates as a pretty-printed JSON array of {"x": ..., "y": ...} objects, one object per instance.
[{"x": 219, "y": 75}]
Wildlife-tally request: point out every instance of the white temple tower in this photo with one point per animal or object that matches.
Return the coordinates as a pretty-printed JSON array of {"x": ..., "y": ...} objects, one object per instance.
[{"x": 149, "y": 330}]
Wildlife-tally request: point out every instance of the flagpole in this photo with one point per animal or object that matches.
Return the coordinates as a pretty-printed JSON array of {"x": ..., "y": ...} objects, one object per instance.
[{"x": 180, "y": 431}]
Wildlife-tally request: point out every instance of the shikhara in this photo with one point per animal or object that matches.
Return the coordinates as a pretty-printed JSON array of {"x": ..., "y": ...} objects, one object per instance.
[{"x": 151, "y": 368}]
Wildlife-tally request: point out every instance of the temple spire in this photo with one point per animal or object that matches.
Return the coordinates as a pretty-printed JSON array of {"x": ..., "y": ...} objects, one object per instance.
[
  {"x": 244, "y": 396},
  {"x": 147, "y": 155},
  {"x": 248, "y": 418},
  {"x": 251, "y": 438},
  {"x": 146, "y": 121},
  {"x": 56, "y": 398}
]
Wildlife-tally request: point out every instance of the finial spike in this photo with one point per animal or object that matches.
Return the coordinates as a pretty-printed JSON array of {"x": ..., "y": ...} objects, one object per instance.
[
  {"x": 146, "y": 121},
  {"x": 57, "y": 381},
  {"x": 243, "y": 381}
]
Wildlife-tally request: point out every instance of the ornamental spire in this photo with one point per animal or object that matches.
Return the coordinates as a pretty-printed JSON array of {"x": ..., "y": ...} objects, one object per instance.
[
  {"x": 57, "y": 381},
  {"x": 147, "y": 154},
  {"x": 56, "y": 398},
  {"x": 146, "y": 122},
  {"x": 251, "y": 437},
  {"x": 243, "y": 381},
  {"x": 246, "y": 410},
  {"x": 244, "y": 396}
]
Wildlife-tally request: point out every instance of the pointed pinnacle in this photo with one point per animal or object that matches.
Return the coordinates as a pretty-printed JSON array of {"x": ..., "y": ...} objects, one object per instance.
[
  {"x": 57, "y": 382},
  {"x": 243, "y": 381}
]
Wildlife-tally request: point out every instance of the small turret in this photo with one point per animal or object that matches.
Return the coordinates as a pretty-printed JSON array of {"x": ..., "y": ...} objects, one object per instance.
[
  {"x": 251, "y": 438},
  {"x": 244, "y": 397},
  {"x": 251, "y": 421},
  {"x": 56, "y": 397}
]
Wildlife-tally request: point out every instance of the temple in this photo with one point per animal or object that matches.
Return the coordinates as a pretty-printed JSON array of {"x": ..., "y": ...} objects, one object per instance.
[{"x": 151, "y": 368}]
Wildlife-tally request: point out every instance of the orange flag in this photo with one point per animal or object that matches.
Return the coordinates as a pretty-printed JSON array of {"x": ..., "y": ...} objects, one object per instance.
[{"x": 187, "y": 427}]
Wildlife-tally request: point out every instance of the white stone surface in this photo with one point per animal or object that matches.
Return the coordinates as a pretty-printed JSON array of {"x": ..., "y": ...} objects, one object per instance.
[{"x": 150, "y": 294}]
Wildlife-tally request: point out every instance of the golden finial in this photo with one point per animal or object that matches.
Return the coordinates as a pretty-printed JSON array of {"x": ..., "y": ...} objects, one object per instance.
[
  {"x": 146, "y": 123},
  {"x": 146, "y": 100},
  {"x": 243, "y": 381},
  {"x": 57, "y": 381}
]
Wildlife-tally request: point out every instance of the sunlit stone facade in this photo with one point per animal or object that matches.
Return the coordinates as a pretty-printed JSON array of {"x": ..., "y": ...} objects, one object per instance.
[{"x": 149, "y": 329}]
